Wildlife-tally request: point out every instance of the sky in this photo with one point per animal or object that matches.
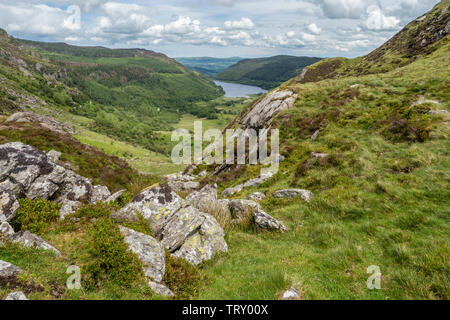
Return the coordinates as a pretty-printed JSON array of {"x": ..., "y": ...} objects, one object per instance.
[{"x": 218, "y": 28}]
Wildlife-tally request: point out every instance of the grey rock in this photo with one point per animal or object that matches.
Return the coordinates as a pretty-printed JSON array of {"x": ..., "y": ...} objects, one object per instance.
[
  {"x": 291, "y": 294},
  {"x": 100, "y": 193},
  {"x": 6, "y": 229},
  {"x": 53, "y": 156},
  {"x": 250, "y": 183},
  {"x": 438, "y": 112},
  {"x": 256, "y": 196},
  {"x": 315, "y": 155},
  {"x": 69, "y": 207},
  {"x": 149, "y": 251},
  {"x": 160, "y": 289},
  {"x": 180, "y": 182},
  {"x": 266, "y": 222},
  {"x": 242, "y": 210},
  {"x": 204, "y": 244},
  {"x": 203, "y": 199},
  {"x": 8, "y": 270},
  {"x": 422, "y": 100},
  {"x": 156, "y": 205},
  {"x": 115, "y": 196},
  {"x": 293, "y": 193},
  {"x": 8, "y": 206},
  {"x": 315, "y": 135},
  {"x": 32, "y": 241},
  {"x": 19, "y": 295},
  {"x": 46, "y": 122}
]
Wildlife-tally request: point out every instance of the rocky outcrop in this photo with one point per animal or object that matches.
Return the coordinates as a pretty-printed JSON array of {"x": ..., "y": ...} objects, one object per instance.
[
  {"x": 264, "y": 221},
  {"x": 28, "y": 172},
  {"x": 8, "y": 270},
  {"x": 250, "y": 183},
  {"x": 19, "y": 295},
  {"x": 149, "y": 251},
  {"x": 205, "y": 198},
  {"x": 181, "y": 228},
  {"x": 46, "y": 122},
  {"x": 293, "y": 193}
]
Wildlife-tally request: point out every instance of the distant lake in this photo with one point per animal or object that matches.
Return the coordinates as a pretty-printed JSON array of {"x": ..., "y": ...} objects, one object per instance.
[{"x": 236, "y": 90}]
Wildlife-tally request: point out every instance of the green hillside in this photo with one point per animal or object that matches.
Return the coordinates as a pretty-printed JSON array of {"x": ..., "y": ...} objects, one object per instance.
[
  {"x": 381, "y": 193},
  {"x": 208, "y": 65},
  {"x": 130, "y": 94},
  {"x": 267, "y": 73}
]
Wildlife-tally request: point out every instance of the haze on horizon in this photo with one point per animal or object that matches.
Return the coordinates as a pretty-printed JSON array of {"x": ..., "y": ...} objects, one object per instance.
[{"x": 216, "y": 28}]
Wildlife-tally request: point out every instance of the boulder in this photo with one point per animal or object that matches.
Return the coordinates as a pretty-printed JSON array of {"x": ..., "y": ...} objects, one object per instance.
[
  {"x": 242, "y": 210},
  {"x": 205, "y": 198},
  {"x": 149, "y": 251},
  {"x": 180, "y": 182},
  {"x": 8, "y": 270},
  {"x": 160, "y": 289},
  {"x": 250, "y": 183},
  {"x": 205, "y": 244},
  {"x": 256, "y": 196},
  {"x": 115, "y": 196},
  {"x": 19, "y": 295},
  {"x": 31, "y": 240},
  {"x": 8, "y": 206},
  {"x": 264, "y": 221},
  {"x": 293, "y": 193},
  {"x": 6, "y": 230}
]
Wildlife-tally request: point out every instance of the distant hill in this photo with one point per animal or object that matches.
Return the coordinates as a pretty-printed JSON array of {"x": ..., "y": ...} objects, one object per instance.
[
  {"x": 267, "y": 73},
  {"x": 130, "y": 94},
  {"x": 207, "y": 65}
]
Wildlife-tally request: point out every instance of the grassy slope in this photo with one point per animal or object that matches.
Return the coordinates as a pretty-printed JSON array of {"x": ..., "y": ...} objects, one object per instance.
[
  {"x": 266, "y": 73},
  {"x": 381, "y": 198}
]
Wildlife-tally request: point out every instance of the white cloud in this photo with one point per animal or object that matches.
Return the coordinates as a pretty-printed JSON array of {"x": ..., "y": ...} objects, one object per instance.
[
  {"x": 123, "y": 18},
  {"x": 244, "y": 23},
  {"x": 183, "y": 25},
  {"x": 376, "y": 20},
  {"x": 308, "y": 36},
  {"x": 314, "y": 29}
]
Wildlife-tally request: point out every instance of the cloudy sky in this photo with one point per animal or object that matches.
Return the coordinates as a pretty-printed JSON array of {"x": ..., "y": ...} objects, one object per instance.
[{"x": 221, "y": 28}]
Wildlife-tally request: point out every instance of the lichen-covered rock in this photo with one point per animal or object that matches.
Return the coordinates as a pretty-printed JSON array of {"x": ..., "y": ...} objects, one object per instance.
[
  {"x": 242, "y": 210},
  {"x": 180, "y": 182},
  {"x": 205, "y": 198},
  {"x": 250, "y": 183},
  {"x": 204, "y": 244},
  {"x": 8, "y": 206},
  {"x": 160, "y": 289},
  {"x": 293, "y": 193},
  {"x": 6, "y": 230},
  {"x": 256, "y": 196},
  {"x": 32, "y": 241},
  {"x": 8, "y": 270},
  {"x": 156, "y": 205},
  {"x": 264, "y": 221},
  {"x": 53, "y": 156},
  {"x": 28, "y": 172},
  {"x": 149, "y": 251}
]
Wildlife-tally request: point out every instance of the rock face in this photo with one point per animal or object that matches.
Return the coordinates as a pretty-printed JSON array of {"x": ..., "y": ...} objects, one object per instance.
[
  {"x": 19, "y": 295},
  {"x": 263, "y": 112},
  {"x": 242, "y": 210},
  {"x": 149, "y": 251},
  {"x": 293, "y": 193},
  {"x": 8, "y": 206},
  {"x": 8, "y": 270},
  {"x": 32, "y": 241},
  {"x": 53, "y": 156},
  {"x": 265, "y": 222},
  {"x": 46, "y": 122},
  {"x": 28, "y": 172},
  {"x": 181, "y": 228}
]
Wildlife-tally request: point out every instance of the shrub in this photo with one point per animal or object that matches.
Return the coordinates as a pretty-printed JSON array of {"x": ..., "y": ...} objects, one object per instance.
[
  {"x": 181, "y": 277},
  {"x": 35, "y": 215},
  {"x": 110, "y": 257}
]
